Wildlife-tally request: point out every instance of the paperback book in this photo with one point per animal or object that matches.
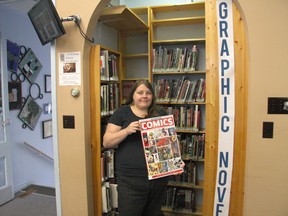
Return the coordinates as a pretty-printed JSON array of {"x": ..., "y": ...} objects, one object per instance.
[{"x": 161, "y": 147}]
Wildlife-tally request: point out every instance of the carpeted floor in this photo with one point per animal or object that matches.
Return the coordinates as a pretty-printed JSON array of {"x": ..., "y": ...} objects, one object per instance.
[{"x": 32, "y": 201}]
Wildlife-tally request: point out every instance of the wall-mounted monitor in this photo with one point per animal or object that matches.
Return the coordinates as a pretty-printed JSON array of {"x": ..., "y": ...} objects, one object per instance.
[{"x": 46, "y": 21}]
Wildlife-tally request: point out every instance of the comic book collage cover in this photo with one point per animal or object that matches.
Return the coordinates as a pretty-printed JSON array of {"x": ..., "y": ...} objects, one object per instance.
[{"x": 161, "y": 146}]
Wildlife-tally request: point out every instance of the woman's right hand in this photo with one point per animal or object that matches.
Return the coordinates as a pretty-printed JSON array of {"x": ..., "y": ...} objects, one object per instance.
[
  {"x": 133, "y": 127},
  {"x": 115, "y": 134}
]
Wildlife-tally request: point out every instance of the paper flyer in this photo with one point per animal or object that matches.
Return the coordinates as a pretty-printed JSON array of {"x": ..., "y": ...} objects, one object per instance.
[{"x": 69, "y": 69}]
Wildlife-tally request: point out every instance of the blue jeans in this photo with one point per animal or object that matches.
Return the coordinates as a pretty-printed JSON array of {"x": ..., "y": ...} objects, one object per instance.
[{"x": 139, "y": 196}]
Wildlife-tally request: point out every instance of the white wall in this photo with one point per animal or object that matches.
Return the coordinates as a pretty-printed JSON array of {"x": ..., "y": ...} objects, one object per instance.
[
  {"x": 267, "y": 159},
  {"x": 28, "y": 167}
]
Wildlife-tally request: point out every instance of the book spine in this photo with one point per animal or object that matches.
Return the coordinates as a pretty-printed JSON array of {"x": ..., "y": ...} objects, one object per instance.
[{"x": 194, "y": 58}]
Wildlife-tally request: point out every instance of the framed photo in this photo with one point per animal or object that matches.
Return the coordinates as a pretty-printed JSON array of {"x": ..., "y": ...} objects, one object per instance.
[
  {"x": 48, "y": 83},
  {"x": 13, "y": 54},
  {"x": 15, "y": 95},
  {"x": 47, "y": 128},
  {"x": 30, "y": 113},
  {"x": 30, "y": 66}
]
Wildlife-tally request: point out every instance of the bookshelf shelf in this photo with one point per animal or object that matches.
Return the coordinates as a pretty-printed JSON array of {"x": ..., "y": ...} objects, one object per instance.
[
  {"x": 178, "y": 103},
  {"x": 122, "y": 19},
  {"x": 140, "y": 10},
  {"x": 170, "y": 212},
  {"x": 133, "y": 79},
  {"x": 142, "y": 13},
  {"x": 199, "y": 186},
  {"x": 178, "y": 73},
  {"x": 141, "y": 55},
  {"x": 180, "y": 41},
  {"x": 179, "y": 21},
  {"x": 189, "y": 131},
  {"x": 186, "y": 158},
  {"x": 179, "y": 7}
]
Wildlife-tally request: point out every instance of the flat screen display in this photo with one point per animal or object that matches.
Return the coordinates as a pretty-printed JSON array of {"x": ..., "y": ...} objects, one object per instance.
[{"x": 46, "y": 21}]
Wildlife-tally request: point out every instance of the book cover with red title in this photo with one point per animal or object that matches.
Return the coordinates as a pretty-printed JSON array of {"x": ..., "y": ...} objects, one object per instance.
[{"x": 161, "y": 147}]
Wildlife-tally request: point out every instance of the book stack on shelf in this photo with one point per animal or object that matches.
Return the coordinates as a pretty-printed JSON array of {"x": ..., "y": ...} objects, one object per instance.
[
  {"x": 109, "y": 199},
  {"x": 109, "y": 98},
  {"x": 181, "y": 200},
  {"x": 108, "y": 64},
  {"x": 185, "y": 117},
  {"x": 180, "y": 90},
  {"x": 107, "y": 164},
  {"x": 126, "y": 88},
  {"x": 109, "y": 77},
  {"x": 192, "y": 146},
  {"x": 109, "y": 185},
  {"x": 178, "y": 59}
]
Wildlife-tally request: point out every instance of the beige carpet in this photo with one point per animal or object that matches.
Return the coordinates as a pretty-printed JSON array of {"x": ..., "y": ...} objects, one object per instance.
[{"x": 30, "y": 203}]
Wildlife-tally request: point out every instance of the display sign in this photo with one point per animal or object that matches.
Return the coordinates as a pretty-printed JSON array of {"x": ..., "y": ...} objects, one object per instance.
[{"x": 226, "y": 107}]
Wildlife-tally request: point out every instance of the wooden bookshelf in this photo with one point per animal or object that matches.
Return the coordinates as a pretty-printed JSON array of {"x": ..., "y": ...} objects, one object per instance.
[
  {"x": 97, "y": 115},
  {"x": 135, "y": 48},
  {"x": 165, "y": 21},
  {"x": 154, "y": 24}
]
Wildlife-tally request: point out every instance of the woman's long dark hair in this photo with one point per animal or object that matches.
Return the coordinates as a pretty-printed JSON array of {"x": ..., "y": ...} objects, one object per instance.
[{"x": 152, "y": 111}]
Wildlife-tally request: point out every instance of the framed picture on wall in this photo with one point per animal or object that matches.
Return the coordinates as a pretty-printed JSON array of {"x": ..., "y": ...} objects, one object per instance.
[
  {"x": 47, "y": 128},
  {"x": 13, "y": 54},
  {"x": 47, "y": 83},
  {"x": 15, "y": 95},
  {"x": 30, "y": 66},
  {"x": 30, "y": 113}
]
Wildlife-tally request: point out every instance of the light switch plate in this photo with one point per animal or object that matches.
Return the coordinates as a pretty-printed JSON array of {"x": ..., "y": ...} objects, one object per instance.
[
  {"x": 268, "y": 129},
  {"x": 69, "y": 122},
  {"x": 276, "y": 105}
]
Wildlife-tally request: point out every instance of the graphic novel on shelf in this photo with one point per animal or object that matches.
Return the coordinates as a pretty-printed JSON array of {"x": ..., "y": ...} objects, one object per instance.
[{"x": 161, "y": 146}]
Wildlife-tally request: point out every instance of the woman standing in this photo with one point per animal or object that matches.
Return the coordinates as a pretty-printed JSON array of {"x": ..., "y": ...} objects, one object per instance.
[{"x": 137, "y": 196}]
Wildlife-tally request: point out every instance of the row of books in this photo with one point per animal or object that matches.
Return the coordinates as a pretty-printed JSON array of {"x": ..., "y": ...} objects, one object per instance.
[
  {"x": 175, "y": 59},
  {"x": 192, "y": 146},
  {"x": 109, "y": 98},
  {"x": 107, "y": 164},
  {"x": 185, "y": 117},
  {"x": 126, "y": 88},
  {"x": 180, "y": 90},
  {"x": 109, "y": 198},
  {"x": 189, "y": 175},
  {"x": 179, "y": 199},
  {"x": 108, "y": 66}
]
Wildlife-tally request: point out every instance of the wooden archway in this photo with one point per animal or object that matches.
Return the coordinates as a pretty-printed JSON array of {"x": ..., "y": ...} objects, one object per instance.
[{"x": 241, "y": 87}]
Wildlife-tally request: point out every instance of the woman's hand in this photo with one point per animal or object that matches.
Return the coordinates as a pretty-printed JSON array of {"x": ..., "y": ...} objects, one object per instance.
[
  {"x": 115, "y": 134},
  {"x": 133, "y": 127}
]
